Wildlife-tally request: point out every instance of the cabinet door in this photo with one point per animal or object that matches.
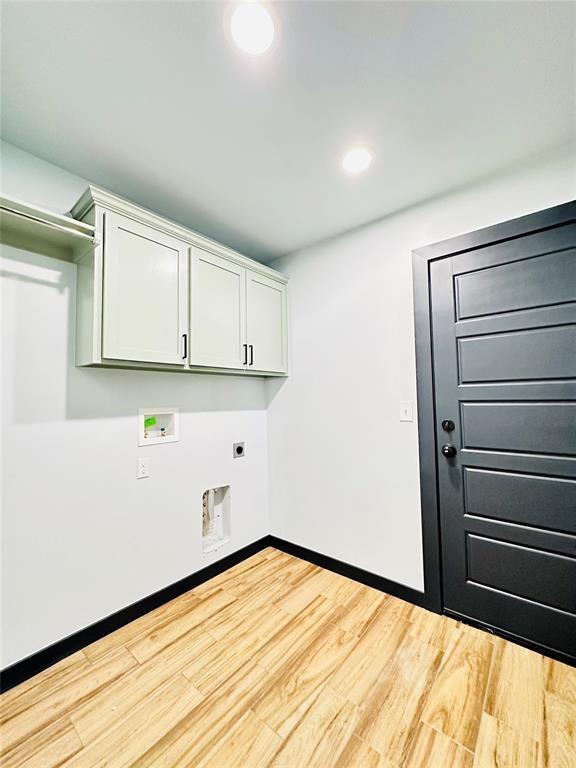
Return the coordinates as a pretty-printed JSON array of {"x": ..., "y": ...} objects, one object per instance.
[
  {"x": 145, "y": 310},
  {"x": 217, "y": 312},
  {"x": 267, "y": 324}
]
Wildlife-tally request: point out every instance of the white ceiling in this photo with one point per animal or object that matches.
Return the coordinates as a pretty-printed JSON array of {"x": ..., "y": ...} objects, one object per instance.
[{"x": 150, "y": 100}]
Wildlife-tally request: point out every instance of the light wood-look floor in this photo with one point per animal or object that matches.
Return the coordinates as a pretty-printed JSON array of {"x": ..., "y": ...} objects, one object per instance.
[{"x": 279, "y": 663}]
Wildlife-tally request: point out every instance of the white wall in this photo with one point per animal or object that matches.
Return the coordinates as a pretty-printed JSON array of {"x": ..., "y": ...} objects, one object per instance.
[
  {"x": 344, "y": 476},
  {"x": 81, "y": 537}
]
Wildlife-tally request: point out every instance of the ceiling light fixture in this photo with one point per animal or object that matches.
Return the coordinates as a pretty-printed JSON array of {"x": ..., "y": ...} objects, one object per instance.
[
  {"x": 252, "y": 28},
  {"x": 356, "y": 160}
]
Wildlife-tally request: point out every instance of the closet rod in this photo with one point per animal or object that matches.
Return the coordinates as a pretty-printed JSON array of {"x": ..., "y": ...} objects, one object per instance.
[{"x": 51, "y": 224}]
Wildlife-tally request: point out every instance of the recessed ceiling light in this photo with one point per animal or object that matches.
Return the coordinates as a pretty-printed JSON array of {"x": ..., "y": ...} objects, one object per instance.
[
  {"x": 252, "y": 28},
  {"x": 356, "y": 160}
]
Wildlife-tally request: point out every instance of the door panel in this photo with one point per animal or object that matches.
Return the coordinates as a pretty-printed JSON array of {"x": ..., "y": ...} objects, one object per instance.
[
  {"x": 535, "y": 500},
  {"x": 145, "y": 302},
  {"x": 267, "y": 323},
  {"x": 523, "y": 571},
  {"x": 503, "y": 327},
  {"x": 217, "y": 312},
  {"x": 523, "y": 427},
  {"x": 539, "y": 353},
  {"x": 537, "y": 282}
]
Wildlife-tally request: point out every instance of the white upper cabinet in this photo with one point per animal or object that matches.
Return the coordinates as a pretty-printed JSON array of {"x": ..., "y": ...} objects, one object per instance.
[
  {"x": 145, "y": 293},
  {"x": 267, "y": 321},
  {"x": 218, "y": 312},
  {"x": 238, "y": 317},
  {"x": 154, "y": 294}
]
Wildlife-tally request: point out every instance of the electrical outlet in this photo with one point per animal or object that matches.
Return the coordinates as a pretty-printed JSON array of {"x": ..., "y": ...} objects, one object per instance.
[
  {"x": 238, "y": 450},
  {"x": 142, "y": 468},
  {"x": 406, "y": 410}
]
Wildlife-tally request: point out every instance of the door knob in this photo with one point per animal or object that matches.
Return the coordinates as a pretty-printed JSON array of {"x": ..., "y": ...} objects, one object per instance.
[
  {"x": 447, "y": 425},
  {"x": 449, "y": 451}
]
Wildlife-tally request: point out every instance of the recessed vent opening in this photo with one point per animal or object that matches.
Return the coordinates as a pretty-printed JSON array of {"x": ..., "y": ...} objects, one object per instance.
[{"x": 215, "y": 518}]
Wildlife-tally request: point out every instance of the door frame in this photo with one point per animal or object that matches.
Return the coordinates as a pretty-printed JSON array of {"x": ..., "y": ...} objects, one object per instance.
[{"x": 422, "y": 259}]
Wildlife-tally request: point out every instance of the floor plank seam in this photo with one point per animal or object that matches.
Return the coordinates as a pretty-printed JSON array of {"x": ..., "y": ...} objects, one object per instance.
[
  {"x": 486, "y": 690},
  {"x": 77, "y": 732},
  {"x": 447, "y": 736},
  {"x": 131, "y": 654}
]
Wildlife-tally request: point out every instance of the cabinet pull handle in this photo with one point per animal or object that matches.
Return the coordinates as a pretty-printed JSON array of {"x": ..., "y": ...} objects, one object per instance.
[
  {"x": 185, "y": 337},
  {"x": 245, "y": 362},
  {"x": 251, "y": 354}
]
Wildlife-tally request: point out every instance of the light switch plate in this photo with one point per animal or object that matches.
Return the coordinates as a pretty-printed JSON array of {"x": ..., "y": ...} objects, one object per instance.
[
  {"x": 406, "y": 410},
  {"x": 142, "y": 467}
]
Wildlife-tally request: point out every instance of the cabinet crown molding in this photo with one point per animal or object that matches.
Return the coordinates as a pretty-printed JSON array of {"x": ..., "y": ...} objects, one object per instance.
[{"x": 98, "y": 197}]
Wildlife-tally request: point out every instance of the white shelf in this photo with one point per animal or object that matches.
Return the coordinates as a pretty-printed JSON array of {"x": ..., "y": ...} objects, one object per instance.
[{"x": 26, "y": 226}]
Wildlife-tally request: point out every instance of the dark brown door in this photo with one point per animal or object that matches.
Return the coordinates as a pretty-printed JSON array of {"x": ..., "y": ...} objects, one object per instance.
[{"x": 504, "y": 350}]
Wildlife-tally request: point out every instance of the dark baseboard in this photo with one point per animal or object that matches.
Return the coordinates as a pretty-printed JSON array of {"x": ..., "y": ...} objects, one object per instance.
[
  {"x": 352, "y": 572},
  {"x": 409, "y": 595},
  {"x": 43, "y": 659},
  {"x": 37, "y": 662}
]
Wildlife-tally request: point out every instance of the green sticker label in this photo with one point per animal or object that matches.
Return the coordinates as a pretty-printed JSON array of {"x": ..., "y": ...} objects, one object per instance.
[{"x": 149, "y": 422}]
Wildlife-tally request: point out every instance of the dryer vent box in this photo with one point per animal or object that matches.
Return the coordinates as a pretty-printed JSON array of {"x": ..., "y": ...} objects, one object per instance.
[{"x": 215, "y": 518}]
